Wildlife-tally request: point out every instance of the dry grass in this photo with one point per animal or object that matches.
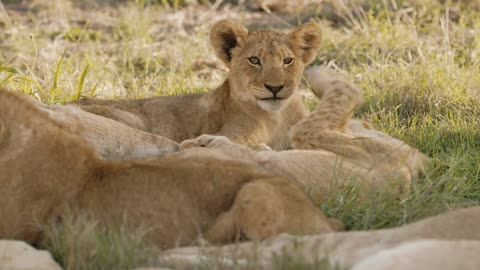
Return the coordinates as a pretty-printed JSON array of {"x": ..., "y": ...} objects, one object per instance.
[
  {"x": 418, "y": 62},
  {"x": 80, "y": 243}
]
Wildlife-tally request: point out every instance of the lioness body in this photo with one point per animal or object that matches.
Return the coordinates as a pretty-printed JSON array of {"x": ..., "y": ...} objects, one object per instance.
[
  {"x": 46, "y": 168},
  {"x": 179, "y": 198},
  {"x": 346, "y": 249},
  {"x": 257, "y": 103},
  {"x": 425, "y": 254}
]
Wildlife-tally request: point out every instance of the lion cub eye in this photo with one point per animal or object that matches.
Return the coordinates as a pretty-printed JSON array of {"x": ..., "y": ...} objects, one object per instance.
[
  {"x": 254, "y": 60},
  {"x": 288, "y": 61}
]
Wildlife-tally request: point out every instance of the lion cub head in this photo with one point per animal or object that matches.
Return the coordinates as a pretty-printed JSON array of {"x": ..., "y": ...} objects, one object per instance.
[{"x": 266, "y": 65}]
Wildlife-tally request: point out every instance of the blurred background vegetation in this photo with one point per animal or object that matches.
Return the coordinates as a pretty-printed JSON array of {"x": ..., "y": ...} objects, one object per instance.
[{"x": 418, "y": 62}]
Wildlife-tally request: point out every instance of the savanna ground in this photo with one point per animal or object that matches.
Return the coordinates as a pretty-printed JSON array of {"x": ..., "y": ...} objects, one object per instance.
[{"x": 418, "y": 62}]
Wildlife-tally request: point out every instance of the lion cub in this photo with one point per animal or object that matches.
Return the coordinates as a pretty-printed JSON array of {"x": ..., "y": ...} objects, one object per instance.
[{"x": 257, "y": 103}]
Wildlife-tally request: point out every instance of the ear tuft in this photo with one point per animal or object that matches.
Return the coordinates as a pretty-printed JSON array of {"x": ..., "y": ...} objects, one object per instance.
[
  {"x": 226, "y": 35},
  {"x": 306, "y": 40}
]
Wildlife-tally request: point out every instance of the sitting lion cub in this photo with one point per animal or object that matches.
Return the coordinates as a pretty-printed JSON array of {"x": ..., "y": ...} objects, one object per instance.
[
  {"x": 257, "y": 103},
  {"x": 330, "y": 147}
]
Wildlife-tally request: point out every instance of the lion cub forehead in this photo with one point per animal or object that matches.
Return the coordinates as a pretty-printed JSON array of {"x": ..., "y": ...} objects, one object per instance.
[
  {"x": 262, "y": 42},
  {"x": 267, "y": 35},
  {"x": 268, "y": 49}
]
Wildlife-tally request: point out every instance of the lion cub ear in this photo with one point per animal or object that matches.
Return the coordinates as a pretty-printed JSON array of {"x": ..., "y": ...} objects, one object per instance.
[
  {"x": 305, "y": 41},
  {"x": 226, "y": 35}
]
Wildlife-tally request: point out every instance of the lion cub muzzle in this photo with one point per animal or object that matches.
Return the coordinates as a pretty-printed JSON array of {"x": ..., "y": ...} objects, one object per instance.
[{"x": 274, "y": 90}]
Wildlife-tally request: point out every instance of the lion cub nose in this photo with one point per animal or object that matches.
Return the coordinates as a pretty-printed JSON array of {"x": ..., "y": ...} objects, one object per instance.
[{"x": 274, "y": 89}]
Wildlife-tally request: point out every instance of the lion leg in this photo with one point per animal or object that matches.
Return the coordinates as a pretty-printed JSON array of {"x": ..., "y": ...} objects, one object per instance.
[
  {"x": 223, "y": 230},
  {"x": 259, "y": 212},
  {"x": 330, "y": 127},
  {"x": 268, "y": 207},
  {"x": 255, "y": 215},
  {"x": 325, "y": 127},
  {"x": 337, "y": 100}
]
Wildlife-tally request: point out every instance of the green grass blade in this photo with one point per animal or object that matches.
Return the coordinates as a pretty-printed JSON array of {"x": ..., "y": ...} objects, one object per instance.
[
  {"x": 8, "y": 69},
  {"x": 53, "y": 91},
  {"x": 5, "y": 80},
  {"x": 81, "y": 82},
  {"x": 94, "y": 89}
]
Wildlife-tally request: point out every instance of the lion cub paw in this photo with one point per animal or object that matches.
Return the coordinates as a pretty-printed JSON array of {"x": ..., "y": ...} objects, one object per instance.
[{"x": 209, "y": 141}]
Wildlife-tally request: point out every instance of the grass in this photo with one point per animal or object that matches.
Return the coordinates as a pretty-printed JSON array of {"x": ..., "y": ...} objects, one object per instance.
[
  {"x": 418, "y": 71},
  {"x": 79, "y": 243},
  {"x": 417, "y": 61}
]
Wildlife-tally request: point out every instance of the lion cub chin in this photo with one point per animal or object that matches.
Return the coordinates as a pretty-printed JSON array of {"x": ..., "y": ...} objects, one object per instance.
[{"x": 258, "y": 101}]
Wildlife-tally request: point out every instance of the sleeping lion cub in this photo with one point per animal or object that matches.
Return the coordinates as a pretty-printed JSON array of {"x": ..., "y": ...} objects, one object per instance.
[
  {"x": 257, "y": 103},
  {"x": 330, "y": 148}
]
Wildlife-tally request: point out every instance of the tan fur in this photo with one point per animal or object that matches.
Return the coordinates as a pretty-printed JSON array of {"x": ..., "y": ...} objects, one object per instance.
[
  {"x": 330, "y": 147},
  {"x": 343, "y": 249},
  {"x": 425, "y": 254},
  {"x": 237, "y": 108},
  {"x": 46, "y": 167},
  {"x": 112, "y": 139}
]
